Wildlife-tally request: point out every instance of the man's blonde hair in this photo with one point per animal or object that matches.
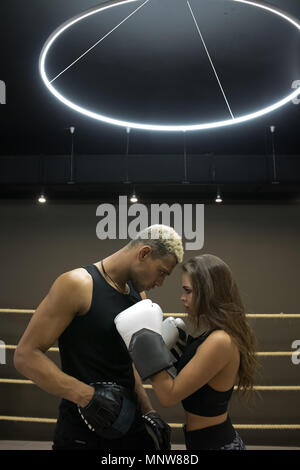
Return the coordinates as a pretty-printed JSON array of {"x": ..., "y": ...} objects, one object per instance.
[{"x": 164, "y": 240}]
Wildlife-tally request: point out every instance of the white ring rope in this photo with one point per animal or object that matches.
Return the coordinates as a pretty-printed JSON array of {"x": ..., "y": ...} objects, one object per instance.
[
  {"x": 277, "y": 427},
  {"x": 172, "y": 425},
  {"x": 261, "y": 353},
  {"x": 264, "y": 388},
  {"x": 248, "y": 315}
]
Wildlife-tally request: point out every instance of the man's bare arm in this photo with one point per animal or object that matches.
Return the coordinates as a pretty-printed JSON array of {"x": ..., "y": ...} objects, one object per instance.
[
  {"x": 141, "y": 393},
  {"x": 139, "y": 388},
  {"x": 51, "y": 318}
]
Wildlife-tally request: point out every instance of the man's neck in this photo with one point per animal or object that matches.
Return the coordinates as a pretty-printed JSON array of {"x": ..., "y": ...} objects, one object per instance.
[{"x": 117, "y": 267}]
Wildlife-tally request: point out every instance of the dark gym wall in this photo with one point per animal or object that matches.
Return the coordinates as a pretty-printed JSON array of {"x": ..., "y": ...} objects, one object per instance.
[{"x": 259, "y": 242}]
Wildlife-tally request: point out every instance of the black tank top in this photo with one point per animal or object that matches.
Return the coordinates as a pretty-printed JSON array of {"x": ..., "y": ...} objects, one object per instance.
[
  {"x": 206, "y": 401},
  {"x": 91, "y": 348}
]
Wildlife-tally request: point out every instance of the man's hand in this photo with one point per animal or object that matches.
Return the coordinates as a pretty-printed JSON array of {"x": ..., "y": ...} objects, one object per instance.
[
  {"x": 86, "y": 395},
  {"x": 111, "y": 411}
]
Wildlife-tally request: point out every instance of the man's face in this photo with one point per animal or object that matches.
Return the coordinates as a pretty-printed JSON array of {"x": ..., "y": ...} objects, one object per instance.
[{"x": 151, "y": 272}]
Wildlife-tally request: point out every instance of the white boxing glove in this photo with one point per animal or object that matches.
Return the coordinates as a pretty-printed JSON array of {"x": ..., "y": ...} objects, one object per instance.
[
  {"x": 170, "y": 331},
  {"x": 178, "y": 333},
  {"x": 140, "y": 326},
  {"x": 143, "y": 314}
]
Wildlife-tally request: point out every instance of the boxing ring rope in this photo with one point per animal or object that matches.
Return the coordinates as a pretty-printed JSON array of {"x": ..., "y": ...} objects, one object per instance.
[
  {"x": 15, "y": 310},
  {"x": 172, "y": 425},
  {"x": 182, "y": 315},
  {"x": 248, "y": 315},
  {"x": 262, "y": 427},
  {"x": 148, "y": 386},
  {"x": 260, "y": 353}
]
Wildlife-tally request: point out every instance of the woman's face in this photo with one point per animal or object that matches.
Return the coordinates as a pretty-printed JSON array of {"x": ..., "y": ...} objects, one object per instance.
[{"x": 187, "y": 292}]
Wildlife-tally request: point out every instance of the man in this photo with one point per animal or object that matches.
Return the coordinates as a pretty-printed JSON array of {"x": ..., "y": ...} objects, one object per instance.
[{"x": 79, "y": 312}]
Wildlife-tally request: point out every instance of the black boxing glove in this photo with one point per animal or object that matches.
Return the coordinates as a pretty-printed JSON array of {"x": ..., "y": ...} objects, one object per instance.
[
  {"x": 158, "y": 429},
  {"x": 111, "y": 411}
]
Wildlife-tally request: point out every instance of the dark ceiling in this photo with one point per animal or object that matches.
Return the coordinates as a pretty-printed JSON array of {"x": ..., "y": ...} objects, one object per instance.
[{"x": 152, "y": 68}]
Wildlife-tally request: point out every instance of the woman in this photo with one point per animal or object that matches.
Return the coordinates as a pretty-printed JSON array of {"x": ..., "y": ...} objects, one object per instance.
[{"x": 211, "y": 363}]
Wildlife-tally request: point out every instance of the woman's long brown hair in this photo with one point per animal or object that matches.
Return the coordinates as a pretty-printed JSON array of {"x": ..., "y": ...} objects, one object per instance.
[{"x": 217, "y": 301}]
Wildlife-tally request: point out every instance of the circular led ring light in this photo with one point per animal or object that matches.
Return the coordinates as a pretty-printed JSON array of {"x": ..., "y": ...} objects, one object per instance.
[{"x": 155, "y": 127}]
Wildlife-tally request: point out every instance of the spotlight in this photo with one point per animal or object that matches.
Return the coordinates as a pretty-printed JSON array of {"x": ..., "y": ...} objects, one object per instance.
[
  {"x": 218, "y": 198},
  {"x": 42, "y": 199},
  {"x": 133, "y": 198},
  {"x": 272, "y": 129}
]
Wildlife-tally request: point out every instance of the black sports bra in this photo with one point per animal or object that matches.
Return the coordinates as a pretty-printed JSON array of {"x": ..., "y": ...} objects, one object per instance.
[{"x": 206, "y": 401}]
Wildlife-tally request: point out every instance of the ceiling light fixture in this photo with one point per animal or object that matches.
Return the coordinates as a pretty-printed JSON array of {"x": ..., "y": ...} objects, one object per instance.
[
  {"x": 133, "y": 198},
  {"x": 127, "y": 152},
  {"x": 42, "y": 199},
  {"x": 218, "y": 198},
  {"x": 72, "y": 130},
  {"x": 155, "y": 127},
  {"x": 272, "y": 129}
]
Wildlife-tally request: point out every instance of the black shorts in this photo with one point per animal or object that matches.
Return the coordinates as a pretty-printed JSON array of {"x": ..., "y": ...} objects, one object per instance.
[{"x": 71, "y": 433}]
